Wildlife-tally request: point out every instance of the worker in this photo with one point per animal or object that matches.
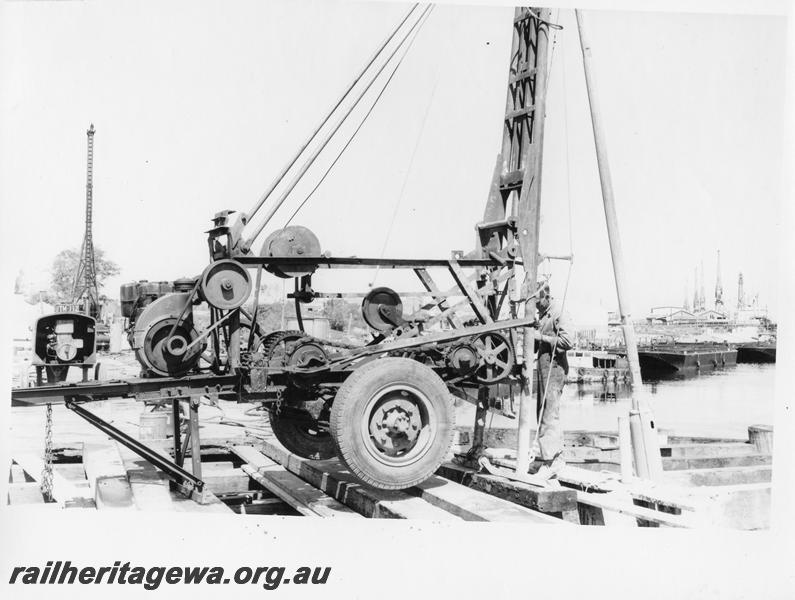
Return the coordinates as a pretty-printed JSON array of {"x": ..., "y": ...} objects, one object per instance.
[{"x": 553, "y": 339}]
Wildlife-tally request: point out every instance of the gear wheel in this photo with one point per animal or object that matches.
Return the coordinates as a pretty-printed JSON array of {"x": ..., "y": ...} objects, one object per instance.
[{"x": 295, "y": 427}]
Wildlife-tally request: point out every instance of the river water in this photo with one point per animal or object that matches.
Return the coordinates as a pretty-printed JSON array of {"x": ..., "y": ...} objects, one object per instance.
[{"x": 722, "y": 403}]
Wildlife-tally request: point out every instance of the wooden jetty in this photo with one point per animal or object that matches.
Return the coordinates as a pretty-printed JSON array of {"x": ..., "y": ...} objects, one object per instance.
[{"x": 708, "y": 482}]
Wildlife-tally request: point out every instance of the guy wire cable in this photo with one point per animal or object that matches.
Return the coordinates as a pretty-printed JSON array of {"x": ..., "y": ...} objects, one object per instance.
[
  {"x": 247, "y": 243},
  {"x": 306, "y": 143},
  {"x": 356, "y": 131}
]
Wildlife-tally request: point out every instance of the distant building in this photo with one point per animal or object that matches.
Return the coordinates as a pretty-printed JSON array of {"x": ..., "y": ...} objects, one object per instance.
[{"x": 676, "y": 315}]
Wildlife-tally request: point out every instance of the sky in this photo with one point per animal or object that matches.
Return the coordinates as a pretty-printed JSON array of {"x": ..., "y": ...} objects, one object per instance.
[{"x": 197, "y": 107}]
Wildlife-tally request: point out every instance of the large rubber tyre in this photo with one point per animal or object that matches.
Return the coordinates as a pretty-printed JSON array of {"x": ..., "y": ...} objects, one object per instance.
[
  {"x": 301, "y": 438},
  {"x": 358, "y": 422}
]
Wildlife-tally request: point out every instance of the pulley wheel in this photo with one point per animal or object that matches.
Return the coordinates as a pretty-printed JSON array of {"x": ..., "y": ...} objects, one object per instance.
[
  {"x": 382, "y": 308},
  {"x": 495, "y": 356},
  {"x": 225, "y": 284},
  {"x": 170, "y": 356},
  {"x": 293, "y": 240}
]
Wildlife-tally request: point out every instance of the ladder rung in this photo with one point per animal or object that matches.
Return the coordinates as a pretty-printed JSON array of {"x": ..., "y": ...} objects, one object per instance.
[
  {"x": 522, "y": 75},
  {"x": 525, "y": 14},
  {"x": 500, "y": 224},
  {"x": 520, "y": 114},
  {"x": 512, "y": 179}
]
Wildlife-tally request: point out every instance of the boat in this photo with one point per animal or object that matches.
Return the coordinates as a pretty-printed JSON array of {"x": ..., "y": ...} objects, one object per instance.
[
  {"x": 758, "y": 352},
  {"x": 594, "y": 366}
]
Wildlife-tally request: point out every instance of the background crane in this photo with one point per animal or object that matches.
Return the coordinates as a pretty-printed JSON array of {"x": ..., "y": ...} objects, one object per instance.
[{"x": 85, "y": 292}]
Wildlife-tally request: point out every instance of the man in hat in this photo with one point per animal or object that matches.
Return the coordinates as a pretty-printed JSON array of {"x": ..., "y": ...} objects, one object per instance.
[{"x": 553, "y": 339}]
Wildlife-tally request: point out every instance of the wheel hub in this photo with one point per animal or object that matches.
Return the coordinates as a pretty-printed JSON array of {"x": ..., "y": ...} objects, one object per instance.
[{"x": 395, "y": 425}]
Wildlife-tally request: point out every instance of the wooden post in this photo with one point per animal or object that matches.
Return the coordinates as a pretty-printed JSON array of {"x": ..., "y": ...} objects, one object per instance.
[
  {"x": 761, "y": 436},
  {"x": 625, "y": 448},
  {"x": 195, "y": 440},
  {"x": 608, "y": 200},
  {"x": 645, "y": 441}
]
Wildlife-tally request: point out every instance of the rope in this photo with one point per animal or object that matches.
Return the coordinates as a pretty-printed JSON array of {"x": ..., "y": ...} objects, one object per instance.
[
  {"x": 571, "y": 242},
  {"x": 319, "y": 149},
  {"x": 361, "y": 124},
  {"x": 406, "y": 178},
  {"x": 311, "y": 138}
]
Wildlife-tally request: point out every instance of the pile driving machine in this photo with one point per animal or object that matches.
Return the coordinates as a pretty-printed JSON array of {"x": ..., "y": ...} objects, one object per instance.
[{"x": 384, "y": 408}]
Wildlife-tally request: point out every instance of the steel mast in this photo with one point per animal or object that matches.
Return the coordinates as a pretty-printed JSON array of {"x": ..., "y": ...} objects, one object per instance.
[{"x": 85, "y": 291}]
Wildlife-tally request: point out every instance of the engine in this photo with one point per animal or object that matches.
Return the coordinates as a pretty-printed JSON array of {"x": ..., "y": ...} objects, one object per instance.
[
  {"x": 63, "y": 340},
  {"x": 161, "y": 329}
]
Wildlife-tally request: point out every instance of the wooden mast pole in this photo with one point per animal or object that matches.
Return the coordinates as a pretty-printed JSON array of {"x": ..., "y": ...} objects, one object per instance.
[{"x": 648, "y": 462}]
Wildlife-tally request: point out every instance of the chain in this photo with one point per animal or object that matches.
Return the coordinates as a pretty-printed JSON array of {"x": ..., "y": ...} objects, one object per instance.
[{"x": 46, "y": 474}]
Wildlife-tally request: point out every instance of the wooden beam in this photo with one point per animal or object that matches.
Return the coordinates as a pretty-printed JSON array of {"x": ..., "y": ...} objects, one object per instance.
[
  {"x": 107, "y": 476},
  {"x": 65, "y": 493},
  {"x": 332, "y": 478},
  {"x": 607, "y": 502},
  {"x": 303, "y": 497},
  {"x": 706, "y": 450},
  {"x": 714, "y": 462},
  {"x": 554, "y": 501},
  {"x": 151, "y": 488},
  {"x": 24, "y": 493},
  {"x": 720, "y": 476},
  {"x": 473, "y": 505}
]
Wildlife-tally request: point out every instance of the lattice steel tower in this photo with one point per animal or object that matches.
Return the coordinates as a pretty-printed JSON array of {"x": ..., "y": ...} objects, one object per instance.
[{"x": 85, "y": 292}]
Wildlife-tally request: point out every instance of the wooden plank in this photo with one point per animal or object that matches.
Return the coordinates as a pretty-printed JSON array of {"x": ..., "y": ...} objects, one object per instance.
[
  {"x": 17, "y": 475},
  {"x": 678, "y": 464},
  {"x": 663, "y": 494},
  {"x": 333, "y": 479},
  {"x": 720, "y": 476},
  {"x": 303, "y": 497},
  {"x": 226, "y": 481},
  {"x": 151, "y": 488},
  {"x": 741, "y": 506},
  {"x": 472, "y": 505},
  {"x": 706, "y": 450},
  {"x": 107, "y": 476},
  {"x": 210, "y": 502},
  {"x": 149, "y": 485},
  {"x": 609, "y": 503},
  {"x": 65, "y": 492},
  {"x": 543, "y": 500},
  {"x": 73, "y": 473},
  {"x": 689, "y": 439},
  {"x": 24, "y": 493},
  {"x": 306, "y": 499}
]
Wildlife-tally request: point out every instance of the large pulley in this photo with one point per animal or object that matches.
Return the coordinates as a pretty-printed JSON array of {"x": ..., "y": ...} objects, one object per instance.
[
  {"x": 225, "y": 284},
  {"x": 170, "y": 355},
  {"x": 291, "y": 241},
  {"x": 495, "y": 357},
  {"x": 382, "y": 309}
]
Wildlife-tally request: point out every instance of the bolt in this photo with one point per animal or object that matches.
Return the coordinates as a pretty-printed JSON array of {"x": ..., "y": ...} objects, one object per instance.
[{"x": 226, "y": 284}]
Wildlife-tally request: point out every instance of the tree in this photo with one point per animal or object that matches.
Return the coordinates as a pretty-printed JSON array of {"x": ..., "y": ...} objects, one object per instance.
[
  {"x": 339, "y": 312},
  {"x": 64, "y": 269}
]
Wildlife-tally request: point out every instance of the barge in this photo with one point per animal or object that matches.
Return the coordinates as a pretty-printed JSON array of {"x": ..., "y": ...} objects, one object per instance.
[
  {"x": 760, "y": 352},
  {"x": 685, "y": 358}
]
